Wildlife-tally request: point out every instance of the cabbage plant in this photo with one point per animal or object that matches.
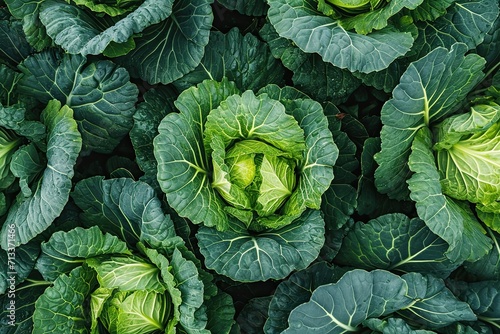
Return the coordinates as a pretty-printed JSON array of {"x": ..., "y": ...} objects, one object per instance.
[
  {"x": 125, "y": 270},
  {"x": 128, "y": 30},
  {"x": 252, "y": 169},
  {"x": 265, "y": 166},
  {"x": 128, "y": 291},
  {"x": 445, "y": 150},
  {"x": 361, "y": 36},
  {"x": 375, "y": 39}
]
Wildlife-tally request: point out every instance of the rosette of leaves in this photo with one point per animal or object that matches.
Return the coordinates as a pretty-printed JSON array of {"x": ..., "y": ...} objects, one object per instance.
[
  {"x": 440, "y": 133},
  {"x": 241, "y": 58},
  {"x": 251, "y": 168},
  {"x": 147, "y": 36},
  {"x": 359, "y": 35},
  {"x": 99, "y": 92},
  {"x": 125, "y": 270}
]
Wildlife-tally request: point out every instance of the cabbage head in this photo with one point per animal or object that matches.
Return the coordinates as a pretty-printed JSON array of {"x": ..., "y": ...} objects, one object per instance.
[
  {"x": 250, "y": 167},
  {"x": 468, "y": 153},
  {"x": 9, "y": 142},
  {"x": 353, "y": 7},
  {"x": 126, "y": 271}
]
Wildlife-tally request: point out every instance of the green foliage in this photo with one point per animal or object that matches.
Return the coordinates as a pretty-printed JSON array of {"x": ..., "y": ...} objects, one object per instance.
[
  {"x": 100, "y": 94},
  {"x": 424, "y": 96},
  {"x": 266, "y": 166},
  {"x": 248, "y": 159},
  {"x": 397, "y": 243},
  {"x": 124, "y": 288},
  {"x": 33, "y": 215}
]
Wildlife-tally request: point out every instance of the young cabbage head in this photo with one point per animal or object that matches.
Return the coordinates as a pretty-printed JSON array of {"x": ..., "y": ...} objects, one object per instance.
[
  {"x": 354, "y": 7},
  {"x": 256, "y": 158},
  {"x": 255, "y": 148},
  {"x": 260, "y": 178},
  {"x": 8, "y": 144}
]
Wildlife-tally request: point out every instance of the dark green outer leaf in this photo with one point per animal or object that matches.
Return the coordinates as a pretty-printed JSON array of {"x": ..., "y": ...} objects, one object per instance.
[
  {"x": 253, "y": 315},
  {"x": 342, "y": 306},
  {"x": 103, "y": 99},
  {"x": 393, "y": 326},
  {"x": 14, "y": 118},
  {"x": 320, "y": 80},
  {"x": 13, "y": 45},
  {"x": 28, "y": 12},
  {"x": 193, "y": 314},
  {"x": 429, "y": 91},
  {"x": 323, "y": 81},
  {"x": 297, "y": 289},
  {"x": 386, "y": 79},
  {"x": 291, "y": 56},
  {"x": 4, "y": 267},
  {"x": 101, "y": 200},
  {"x": 434, "y": 306},
  {"x": 126, "y": 208},
  {"x": 283, "y": 94},
  {"x": 17, "y": 263},
  {"x": 26, "y": 163},
  {"x": 268, "y": 255},
  {"x": 484, "y": 299},
  {"x": 394, "y": 242},
  {"x": 338, "y": 204},
  {"x": 43, "y": 70},
  {"x": 79, "y": 31},
  {"x": 490, "y": 48},
  {"x": 430, "y": 10},
  {"x": 487, "y": 267},
  {"x": 220, "y": 313},
  {"x": 8, "y": 97},
  {"x": 174, "y": 47},
  {"x": 450, "y": 220},
  {"x": 243, "y": 59},
  {"x": 339, "y": 201},
  {"x": 148, "y": 115},
  {"x": 313, "y": 32},
  {"x": 370, "y": 201},
  {"x": 60, "y": 309},
  {"x": 100, "y": 93},
  {"x": 26, "y": 296},
  {"x": 35, "y": 214},
  {"x": 465, "y": 22}
]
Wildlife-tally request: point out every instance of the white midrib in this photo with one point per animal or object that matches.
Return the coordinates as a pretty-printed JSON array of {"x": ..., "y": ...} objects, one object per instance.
[{"x": 336, "y": 321}]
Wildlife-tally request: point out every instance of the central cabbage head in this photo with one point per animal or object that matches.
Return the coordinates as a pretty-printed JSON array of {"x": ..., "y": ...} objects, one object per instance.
[
  {"x": 256, "y": 151},
  {"x": 246, "y": 161},
  {"x": 354, "y": 7},
  {"x": 259, "y": 178}
]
